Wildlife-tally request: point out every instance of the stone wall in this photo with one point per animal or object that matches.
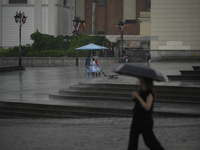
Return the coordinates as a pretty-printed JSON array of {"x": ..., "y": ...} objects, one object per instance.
[
  {"x": 51, "y": 61},
  {"x": 185, "y": 54}
]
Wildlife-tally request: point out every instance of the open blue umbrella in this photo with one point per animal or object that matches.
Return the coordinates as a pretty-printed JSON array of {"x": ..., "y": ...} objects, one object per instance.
[{"x": 91, "y": 46}]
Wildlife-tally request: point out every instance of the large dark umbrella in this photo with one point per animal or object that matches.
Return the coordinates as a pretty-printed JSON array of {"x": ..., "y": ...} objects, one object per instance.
[{"x": 137, "y": 70}]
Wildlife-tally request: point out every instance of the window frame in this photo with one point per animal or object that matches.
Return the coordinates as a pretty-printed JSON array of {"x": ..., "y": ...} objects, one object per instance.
[{"x": 17, "y": 2}]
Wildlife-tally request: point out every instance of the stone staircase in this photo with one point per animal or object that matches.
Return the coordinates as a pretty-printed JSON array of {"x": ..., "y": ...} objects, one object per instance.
[
  {"x": 11, "y": 68},
  {"x": 187, "y": 74},
  {"x": 100, "y": 100},
  {"x": 27, "y": 110}
]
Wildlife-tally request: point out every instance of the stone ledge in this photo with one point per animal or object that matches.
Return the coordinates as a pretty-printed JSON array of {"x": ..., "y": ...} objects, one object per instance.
[{"x": 11, "y": 68}]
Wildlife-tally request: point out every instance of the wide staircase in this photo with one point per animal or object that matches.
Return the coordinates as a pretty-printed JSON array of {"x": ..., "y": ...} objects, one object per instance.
[
  {"x": 187, "y": 74},
  {"x": 101, "y": 100}
]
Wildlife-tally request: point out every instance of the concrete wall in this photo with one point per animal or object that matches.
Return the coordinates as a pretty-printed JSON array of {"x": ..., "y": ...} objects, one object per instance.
[
  {"x": 51, "y": 61},
  {"x": 175, "y": 25},
  {"x": 156, "y": 54}
]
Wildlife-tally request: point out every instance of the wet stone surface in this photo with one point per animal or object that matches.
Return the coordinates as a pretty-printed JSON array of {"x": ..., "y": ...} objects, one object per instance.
[{"x": 95, "y": 133}]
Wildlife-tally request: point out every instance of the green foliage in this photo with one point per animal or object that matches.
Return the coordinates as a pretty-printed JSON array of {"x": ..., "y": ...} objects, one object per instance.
[
  {"x": 14, "y": 52},
  {"x": 47, "y": 53},
  {"x": 49, "y": 46},
  {"x": 47, "y": 42}
]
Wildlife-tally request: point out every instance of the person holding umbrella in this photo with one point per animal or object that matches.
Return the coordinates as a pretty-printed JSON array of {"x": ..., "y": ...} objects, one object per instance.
[{"x": 142, "y": 122}]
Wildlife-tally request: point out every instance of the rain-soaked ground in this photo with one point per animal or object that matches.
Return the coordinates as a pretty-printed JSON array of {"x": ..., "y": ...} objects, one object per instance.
[{"x": 35, "y": 83}]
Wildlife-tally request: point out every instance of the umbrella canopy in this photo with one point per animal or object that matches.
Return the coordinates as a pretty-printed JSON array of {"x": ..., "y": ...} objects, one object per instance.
[
  {"x": 139, "y": 71},
  {"x": 91, "y": 47}
]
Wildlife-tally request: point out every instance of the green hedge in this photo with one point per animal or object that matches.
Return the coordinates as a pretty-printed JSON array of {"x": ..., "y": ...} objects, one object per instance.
[
  {"x": 14, "y": 52},
  {"x": 47, "y": 53},
  {"x": 49, "y": 46}
]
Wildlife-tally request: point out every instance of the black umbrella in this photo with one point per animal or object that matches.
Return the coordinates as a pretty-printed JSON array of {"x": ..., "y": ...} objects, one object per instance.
[{"x": 137, "y": 70}]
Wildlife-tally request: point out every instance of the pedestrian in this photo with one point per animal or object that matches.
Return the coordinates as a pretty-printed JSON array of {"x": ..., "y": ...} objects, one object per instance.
[
  {"x": 127, "y": 59},
  {"x": 87, "y": 66},
  {"x": 142, "y": 122}
]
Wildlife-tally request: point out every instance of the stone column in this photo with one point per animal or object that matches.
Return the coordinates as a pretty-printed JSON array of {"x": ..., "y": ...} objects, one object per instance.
[
  {"x": 38, "y": 16},
  {"x": 94, "y": 17},
  {"x": 51, "y": 17}
]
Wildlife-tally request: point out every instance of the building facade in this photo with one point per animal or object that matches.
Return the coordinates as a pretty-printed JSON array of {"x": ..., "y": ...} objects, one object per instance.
[
  {"x": 52, "y": 17},
  {"x": 109, "y": 13},
  {"x": 175, "y": 25}
]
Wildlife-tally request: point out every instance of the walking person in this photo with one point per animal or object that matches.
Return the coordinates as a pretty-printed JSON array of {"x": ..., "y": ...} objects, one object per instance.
[
  {"x": 87, "y": 66},
  {"x": 142, "y": 122}
]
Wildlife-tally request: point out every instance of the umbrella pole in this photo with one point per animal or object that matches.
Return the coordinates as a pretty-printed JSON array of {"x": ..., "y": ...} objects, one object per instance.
[{"x": 102, "y": 71}]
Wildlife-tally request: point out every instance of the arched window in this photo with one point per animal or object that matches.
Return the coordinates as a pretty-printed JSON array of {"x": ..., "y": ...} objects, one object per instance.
[{"x": 18, "y": 2}]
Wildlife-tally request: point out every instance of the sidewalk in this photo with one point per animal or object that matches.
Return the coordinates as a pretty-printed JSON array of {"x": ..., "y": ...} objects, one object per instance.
[{"x": 94, "y": 134}]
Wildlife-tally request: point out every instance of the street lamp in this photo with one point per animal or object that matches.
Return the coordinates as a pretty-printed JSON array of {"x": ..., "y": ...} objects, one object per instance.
[
  {"x": 67, "y": 40},
  {"x": 76, "y": 23},
  {"x": 121, "y": 27},
  {"x": 21, "y": 18}
]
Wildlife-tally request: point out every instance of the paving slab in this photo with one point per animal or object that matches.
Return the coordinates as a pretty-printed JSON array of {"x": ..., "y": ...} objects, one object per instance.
[{"x": 95, "y": 133}]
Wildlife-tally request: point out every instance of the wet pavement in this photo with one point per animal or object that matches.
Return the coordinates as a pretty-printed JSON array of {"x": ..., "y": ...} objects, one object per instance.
[
  {"x": 94, "y": 134},
  {"x": 35, "y": 83}
]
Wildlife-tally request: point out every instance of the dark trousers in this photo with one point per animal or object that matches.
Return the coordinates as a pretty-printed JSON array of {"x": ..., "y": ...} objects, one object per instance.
[{"x": 146, "y": 129}]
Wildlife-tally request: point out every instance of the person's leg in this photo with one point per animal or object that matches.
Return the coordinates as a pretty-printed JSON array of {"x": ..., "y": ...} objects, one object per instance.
[
  {"x": 150, "y": 139},
  {"x": 89, "y": 71},
  {"x": 86, "y": 71},
  {"x": 133, "y": 139}
]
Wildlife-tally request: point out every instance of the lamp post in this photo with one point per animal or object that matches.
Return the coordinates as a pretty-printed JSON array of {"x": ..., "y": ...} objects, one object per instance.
[
  {"x": 76, "y": 23},
  {"x": 121, "y": 26},
  {"x": 21, "y": 18},
  {"x": 67, "y": 41}
]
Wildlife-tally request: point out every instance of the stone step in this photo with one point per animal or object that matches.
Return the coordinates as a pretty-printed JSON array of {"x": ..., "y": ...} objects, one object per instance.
[
  {"x": 95, "y": 93},
  {"x": 196, "y": 67},
  {"x": 195, "y": 96},
  {"x": 137, "y": 87},
  {"x": 86, "y": 97},
  {"x": 183, "y": 77},
  {"x": 180, "y": 59},
  {"x": 190, "y": 72},
  {"x": 11, "y": 68},
  {"x": 169, "y": 91},
  {"x": 27, "y": 110},
  {"x": 46, "y": 111},
  {"x": 159, "y": 98}
]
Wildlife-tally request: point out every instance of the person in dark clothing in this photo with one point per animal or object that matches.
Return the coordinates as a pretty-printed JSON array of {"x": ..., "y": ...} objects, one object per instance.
[
  {"x": 142, "y": 121},
  {"x": 87, "y": 66}
]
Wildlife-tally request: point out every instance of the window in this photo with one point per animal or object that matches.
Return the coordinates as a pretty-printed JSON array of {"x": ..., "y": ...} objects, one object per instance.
[
  {"x": 66, "y": 2},
  {"x": 18, "y": 2},
  {"x": 101, "y": 3},
  {"x": 148, "y": 3}
]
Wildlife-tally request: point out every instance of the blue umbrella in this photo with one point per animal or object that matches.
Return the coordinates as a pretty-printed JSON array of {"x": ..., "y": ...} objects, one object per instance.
[{"x": 91, "y": 47}]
